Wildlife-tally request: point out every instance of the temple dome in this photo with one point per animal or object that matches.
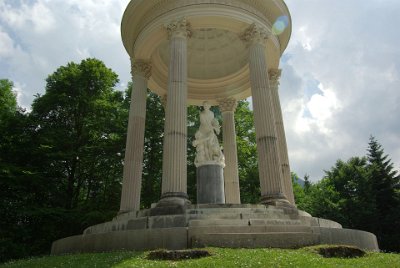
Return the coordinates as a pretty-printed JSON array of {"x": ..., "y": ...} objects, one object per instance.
[{"x": 217, "y": 58}]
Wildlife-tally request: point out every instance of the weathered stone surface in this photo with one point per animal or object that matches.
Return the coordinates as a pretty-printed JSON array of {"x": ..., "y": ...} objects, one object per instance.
[
  {"x": 171, "y": 238},
  {"x": 361, "y": 239},
  {"x": 254, "y": 240},
  {"x": 237, "y": 226},
  {"x": 210, "y": 184}
]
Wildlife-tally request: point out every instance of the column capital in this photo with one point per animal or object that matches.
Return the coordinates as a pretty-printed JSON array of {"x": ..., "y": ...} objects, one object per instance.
[
  {"x": 141, "y": 67},
  {"x": 274, "y": 76},
  {"x": 179, "y": 28},
  {"x": 227, "y": 105},
  {"x": 255, "y": 34}
]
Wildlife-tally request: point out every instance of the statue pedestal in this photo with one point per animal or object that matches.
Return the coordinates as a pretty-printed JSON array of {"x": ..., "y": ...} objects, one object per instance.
[{"x": 210, "y": 184}]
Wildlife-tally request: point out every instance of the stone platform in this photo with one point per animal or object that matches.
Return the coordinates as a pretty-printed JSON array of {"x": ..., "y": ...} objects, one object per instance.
[{"x": 234, "y": 226}]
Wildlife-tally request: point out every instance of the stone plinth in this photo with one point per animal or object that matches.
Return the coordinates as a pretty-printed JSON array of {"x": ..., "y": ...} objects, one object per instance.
[
  {"x": 235, "y": 226},
  {"x": 210, "y": 184}
]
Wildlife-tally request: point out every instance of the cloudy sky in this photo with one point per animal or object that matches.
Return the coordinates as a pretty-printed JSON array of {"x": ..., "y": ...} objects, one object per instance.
[{"x": 340, "y": 81}]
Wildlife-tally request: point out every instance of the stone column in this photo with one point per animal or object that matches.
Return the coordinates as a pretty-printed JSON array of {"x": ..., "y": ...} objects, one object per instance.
[
  {"x": 272, "y": 187},
  {"x": 231, "y": 173},
  {"x": 274, "y": 75},
  {"x": 133, "y": 164},
  {"x": 174, "y": 179}
]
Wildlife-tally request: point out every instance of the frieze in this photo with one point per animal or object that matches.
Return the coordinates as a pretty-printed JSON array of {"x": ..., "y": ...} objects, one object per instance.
[{"x": 164, "y": 6}]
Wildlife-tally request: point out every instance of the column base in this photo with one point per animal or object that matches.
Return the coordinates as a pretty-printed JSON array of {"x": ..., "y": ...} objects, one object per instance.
[
  {"x": 171, "y": 203},
  {"x": 278, "y": 200}
]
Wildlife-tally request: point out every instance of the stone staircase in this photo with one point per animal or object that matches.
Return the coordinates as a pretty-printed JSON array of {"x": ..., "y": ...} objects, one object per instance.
[{"x": 258, "y": 226}]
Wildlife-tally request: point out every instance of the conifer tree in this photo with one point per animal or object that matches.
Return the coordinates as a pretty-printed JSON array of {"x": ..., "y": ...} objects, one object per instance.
[{"x": 385, "y": 182}]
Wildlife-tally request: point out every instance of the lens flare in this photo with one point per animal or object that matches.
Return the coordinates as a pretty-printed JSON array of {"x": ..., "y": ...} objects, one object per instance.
[{"x": 280, "y": 25}]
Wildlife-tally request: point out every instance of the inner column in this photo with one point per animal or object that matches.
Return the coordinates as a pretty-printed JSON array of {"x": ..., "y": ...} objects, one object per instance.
[
  {"x": 274, "y": 75},
  {"x": 174, "y": 179},
  {"x": 272, "y": 187},
  {"x": 231, "y": 173}
]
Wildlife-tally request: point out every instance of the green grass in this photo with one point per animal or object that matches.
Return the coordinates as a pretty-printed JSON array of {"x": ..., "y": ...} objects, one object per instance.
[{"x": 220, "y": 258}]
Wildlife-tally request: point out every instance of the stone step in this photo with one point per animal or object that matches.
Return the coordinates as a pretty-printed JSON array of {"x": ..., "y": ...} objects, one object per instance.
[
  {"x": 254, "y": 240},
  {"x": 195, "y": 230},
  {"x": 241, "y": 216},
  {"x": 242, "y": 222},
  {"x": 262, "y": 210}
]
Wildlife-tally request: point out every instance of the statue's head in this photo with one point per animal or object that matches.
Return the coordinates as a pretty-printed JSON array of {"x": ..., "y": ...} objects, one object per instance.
[{"x": 206, "y": 105}]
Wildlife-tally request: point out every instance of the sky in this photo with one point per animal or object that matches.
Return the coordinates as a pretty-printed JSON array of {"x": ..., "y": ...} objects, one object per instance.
[{"x": 340, "y": 79}]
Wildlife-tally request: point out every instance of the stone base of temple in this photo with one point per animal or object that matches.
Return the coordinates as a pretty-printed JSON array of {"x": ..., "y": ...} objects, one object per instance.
[{"x": 233, "y": 226}]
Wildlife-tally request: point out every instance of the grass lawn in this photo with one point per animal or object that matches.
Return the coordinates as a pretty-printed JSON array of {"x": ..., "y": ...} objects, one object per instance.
[{"x": 221, "y": 257}]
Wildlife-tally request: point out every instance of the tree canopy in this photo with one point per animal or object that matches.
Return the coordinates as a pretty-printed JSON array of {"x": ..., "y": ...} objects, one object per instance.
[{"x": 361, "y": 193}]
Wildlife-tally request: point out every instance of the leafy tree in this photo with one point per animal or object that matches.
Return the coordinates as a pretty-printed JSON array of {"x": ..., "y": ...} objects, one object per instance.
[
  {"x": 247, "y": 154},
  {"x": 351, "y": 183},
  {"x": 61, "y": 165},
  {"x": 14, "y": 173},
  {"x": 8, "y": 101},
  {"x": 79, "y": 131},
  {"x": 299, "y": 192},
  {"x": 153, "y": 147}
]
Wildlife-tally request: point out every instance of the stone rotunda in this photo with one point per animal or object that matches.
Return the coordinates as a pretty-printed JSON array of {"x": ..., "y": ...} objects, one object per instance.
[{"x": 218, "y": 51}]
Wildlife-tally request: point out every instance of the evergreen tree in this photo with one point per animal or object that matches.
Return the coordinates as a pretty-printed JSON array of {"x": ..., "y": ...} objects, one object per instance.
[
  {"x": 385, "y": 184},
  {"x": 307, "y": 183}
]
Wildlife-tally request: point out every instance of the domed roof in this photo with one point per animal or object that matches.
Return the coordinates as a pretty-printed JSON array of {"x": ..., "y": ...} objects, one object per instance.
[{"x": 217, "y": 58}]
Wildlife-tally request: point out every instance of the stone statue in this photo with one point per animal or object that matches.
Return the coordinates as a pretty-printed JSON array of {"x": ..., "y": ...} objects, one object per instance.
[{"x": 207, "y": 146}]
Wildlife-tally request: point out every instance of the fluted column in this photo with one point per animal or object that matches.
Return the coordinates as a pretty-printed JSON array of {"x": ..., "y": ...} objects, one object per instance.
[
  {"x": 231, "y": 173},
  {"x": 272, "y": 187},
  {"x": 274, "y": 75},
  {"x": 174, "y": 179},
  {"x": 133, "y": 163}
]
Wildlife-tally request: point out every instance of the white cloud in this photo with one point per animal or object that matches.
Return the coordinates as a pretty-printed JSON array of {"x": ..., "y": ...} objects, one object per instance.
[
  {"x": 45, "y": 34},
  {"x": 7, "y": 44},
  {"x": 36, "y": 16},
  {"x": 351, "y": 49}
]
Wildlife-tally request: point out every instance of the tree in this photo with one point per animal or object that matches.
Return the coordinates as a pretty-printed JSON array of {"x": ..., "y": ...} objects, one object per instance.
[
  {"x": 351, "y": 182},
  {"x": 80, "y": 129},
  {"x": 299, "y": 192},
  {"x": 153, "y": 148},
  {"x": 385, "y": 194},
  {"x": 8, "y": 101},
  {"x": 61, "y": 165},
  {"x": 14, "y": 173},
  {"x": 307, "y": 183},
  {"x": 247, "y": 154},
  {"x": 362, "y": 193}
]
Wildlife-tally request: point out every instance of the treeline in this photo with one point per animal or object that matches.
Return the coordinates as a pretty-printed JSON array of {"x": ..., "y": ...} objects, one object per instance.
[
  {"x": 61, "y": 164},
  {"x": 361, "y": 193}
]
